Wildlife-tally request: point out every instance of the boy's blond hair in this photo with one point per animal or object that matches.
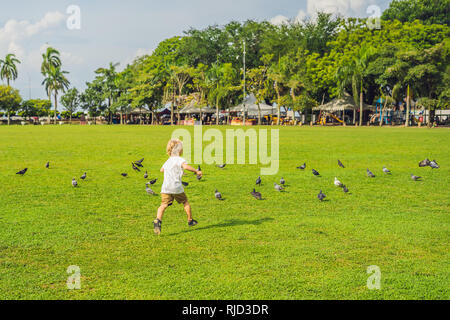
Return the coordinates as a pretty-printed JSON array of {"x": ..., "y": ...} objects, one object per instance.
[{"x": 175, "y": 148}]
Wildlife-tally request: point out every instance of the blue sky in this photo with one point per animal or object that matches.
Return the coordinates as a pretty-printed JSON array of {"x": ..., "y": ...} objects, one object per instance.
[{"x": 118, "y": 31}]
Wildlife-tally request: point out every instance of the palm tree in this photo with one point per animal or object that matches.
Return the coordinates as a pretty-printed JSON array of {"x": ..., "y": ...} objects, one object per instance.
[
  {"x": 353, "y": 73},
  {"x": 8, "y": 69},
  {"x": 50, "y": 59},
  {"x": 55, "y": 81}
]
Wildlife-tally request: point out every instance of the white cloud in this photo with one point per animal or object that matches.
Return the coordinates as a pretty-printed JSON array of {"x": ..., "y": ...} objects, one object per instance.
[
  {"x": 344, "y": 8},
  {"x": 139, "y": 53},
  {"x": 279, "y": 20},
  {"x": 14, "y": 32}
]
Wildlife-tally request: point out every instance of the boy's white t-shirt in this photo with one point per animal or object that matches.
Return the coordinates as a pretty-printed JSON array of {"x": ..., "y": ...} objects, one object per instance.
[{"x": 173, "y": 172}]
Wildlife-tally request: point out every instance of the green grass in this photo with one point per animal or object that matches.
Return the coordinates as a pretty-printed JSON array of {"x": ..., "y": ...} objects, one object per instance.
[{"x": 289, "y": 246}]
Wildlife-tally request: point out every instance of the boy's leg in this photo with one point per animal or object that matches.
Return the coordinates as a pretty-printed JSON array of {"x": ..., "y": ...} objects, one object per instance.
[
  {"x": 188, "y": 209},
  {"x": 165, "y": 201},
  {"x": 158, "y": 222},
  {"x": 161, "y": 211}
]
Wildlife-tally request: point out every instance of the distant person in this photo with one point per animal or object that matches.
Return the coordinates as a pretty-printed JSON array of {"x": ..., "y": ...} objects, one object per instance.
[{"x": 172, "y": 188}]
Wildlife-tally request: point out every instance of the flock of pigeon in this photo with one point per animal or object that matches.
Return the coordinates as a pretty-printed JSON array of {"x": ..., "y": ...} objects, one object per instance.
[{"x": 138, "y": 165}]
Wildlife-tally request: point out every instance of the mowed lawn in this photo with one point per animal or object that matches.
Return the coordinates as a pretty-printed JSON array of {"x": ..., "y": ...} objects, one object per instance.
[{"x": 288, "y": 246}]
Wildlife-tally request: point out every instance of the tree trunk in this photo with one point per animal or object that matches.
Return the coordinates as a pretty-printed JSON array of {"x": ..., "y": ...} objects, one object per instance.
[
  {"x": 382, "y": 113},
  {"x": 259, "y": 115},
  {"x": 70, "y": 121},
  {"x": 279, "y": 114},
  {"x": 361, "y": 108},
  {"x": 217, "y": 111},
  {"x": 56, "y": 105},
  {"x": 408, "y": 107},
  {"x": 432, "y": 116},
  {"x": 121, "y": 117},
  {"x": 9, "y": 118}
]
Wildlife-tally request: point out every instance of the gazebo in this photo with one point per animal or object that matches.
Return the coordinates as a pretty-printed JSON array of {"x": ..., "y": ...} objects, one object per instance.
[
  {"x": 251, "y": 108},
  {"x": 340, "y": 105}
]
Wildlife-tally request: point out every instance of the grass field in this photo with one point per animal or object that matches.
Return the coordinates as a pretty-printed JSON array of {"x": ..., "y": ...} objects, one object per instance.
[{"x": 289, "y": 246}]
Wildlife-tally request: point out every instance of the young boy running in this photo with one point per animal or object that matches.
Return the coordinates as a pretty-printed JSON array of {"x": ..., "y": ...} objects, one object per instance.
[{"x": 172, "y": 188}]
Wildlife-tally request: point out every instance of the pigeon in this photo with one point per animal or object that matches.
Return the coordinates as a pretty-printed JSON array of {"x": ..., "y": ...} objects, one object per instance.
[
  {"x": 149, "y": 190},
  {"x": 146, "y": 175},
  {"x": 140, "y": 161},
  {"x": 74, "y": 183},
  {"x": 124, "y": 175},
  {"x": 278, "y": 187},
  {"x": 138, "y": 165},
  {"x": 386, "y": 170},
  {"x": 345, "y": 189},
  {"x": 321, "y": 196},
  {"x": 83, "y": 177},
  {"x": 47, "y": 165},
  {"x": 434, "y": 165},
  {"x": 340, "y": 164},
  {"x": 303, "y": 167},
  {"x": 282, "y": 181},
  {"x": 218, "y": 195},
  {"x": 258, "y": 181},
  {"x": 256, "y": 195},
  {"x": 415, "y": 178},
  {"x": 221, "y": 166},
  {"x": 337, "y": 183},
  {"x": 425, "y": 163},
  {"x": 22, "y": 172},
  {"x": 185, "y": 184},
  {"x": 135, "y": 168},
  {"x": 316, "y": 173},
  {"x": 153, "y": 181},
  {"x": 370, "y": 174}
]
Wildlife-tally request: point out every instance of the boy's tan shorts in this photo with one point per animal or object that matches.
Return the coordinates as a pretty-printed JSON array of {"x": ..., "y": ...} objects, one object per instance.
[{"x": 169, "y": 198}]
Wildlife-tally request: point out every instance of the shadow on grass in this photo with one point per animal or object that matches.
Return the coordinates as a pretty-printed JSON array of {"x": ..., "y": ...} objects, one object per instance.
[{"x": 228, "y": 223}]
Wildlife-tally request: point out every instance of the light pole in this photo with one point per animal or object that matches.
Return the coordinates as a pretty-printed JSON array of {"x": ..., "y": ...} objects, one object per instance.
[{"x": 245, "y": 91}]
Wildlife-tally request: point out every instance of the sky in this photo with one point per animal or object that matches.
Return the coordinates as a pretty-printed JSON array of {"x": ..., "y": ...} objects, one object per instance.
[{"x": 119, "y": 31}]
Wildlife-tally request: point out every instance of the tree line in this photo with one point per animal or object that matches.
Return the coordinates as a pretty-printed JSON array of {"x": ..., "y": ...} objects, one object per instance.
[{"x": 296, "y": 64}]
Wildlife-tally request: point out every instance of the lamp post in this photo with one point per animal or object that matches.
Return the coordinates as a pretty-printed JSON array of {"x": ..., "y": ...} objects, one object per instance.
[
  {"x": 245, "y": 74},
  {"x": 245, "y": 91}
]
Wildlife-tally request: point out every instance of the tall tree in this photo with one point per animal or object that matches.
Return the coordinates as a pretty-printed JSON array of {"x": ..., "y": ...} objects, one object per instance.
[
  {"x": 353, "y": 73},
  {"x": 8, "y": 68},
  {"x": 429, "y": 11},
  {"x": 10, "y": 100},
  {"x": 54, "y": 82},
  {"x": 108, "y": 76},
  {"x": 70, "y": 101}
]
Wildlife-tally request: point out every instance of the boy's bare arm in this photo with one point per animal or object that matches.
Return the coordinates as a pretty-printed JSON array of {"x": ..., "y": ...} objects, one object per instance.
[{"x": 187, "y": 167}]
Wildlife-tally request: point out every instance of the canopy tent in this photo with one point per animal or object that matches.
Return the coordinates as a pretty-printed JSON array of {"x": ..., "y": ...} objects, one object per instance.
[
  {"x": 251, "y": 108},
  {"x": 341, "y": 104},
  {"x": 139, "y": 111},
  {"x": 196, "y": 110}
]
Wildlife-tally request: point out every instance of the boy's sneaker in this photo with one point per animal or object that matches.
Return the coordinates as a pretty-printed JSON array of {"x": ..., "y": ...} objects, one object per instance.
[
  {"x": 193, "y": 223},
  {"x": 157, "y": 226}
]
